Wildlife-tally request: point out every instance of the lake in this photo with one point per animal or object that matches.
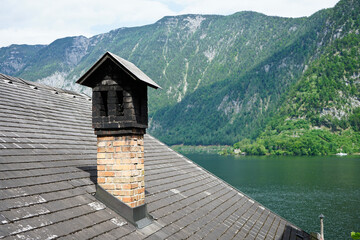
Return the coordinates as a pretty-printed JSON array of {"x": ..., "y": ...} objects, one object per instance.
[{"x": 297, "y": 188}]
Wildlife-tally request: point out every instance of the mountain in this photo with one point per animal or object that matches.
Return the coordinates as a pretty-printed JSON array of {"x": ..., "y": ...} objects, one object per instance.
[
  {"x": 240, "y": 106},
  {"x": 14, "y": 58},
  {"x": 321, "y": 113},
  {"x": 224, "y": 78}
]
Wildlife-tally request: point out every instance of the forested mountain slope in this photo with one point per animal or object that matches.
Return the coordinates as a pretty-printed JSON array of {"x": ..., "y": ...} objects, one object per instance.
[
  {"x": 223, "y": 77},
  {"x": 321, "y": 113},
  {"x": 240, "y": 106}
]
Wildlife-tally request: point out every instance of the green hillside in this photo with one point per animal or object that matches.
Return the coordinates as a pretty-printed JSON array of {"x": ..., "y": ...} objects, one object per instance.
[
  {"x": 224, "y": 78},
  {"x": 321, "y": 113},
  {"x": 240, "y": 105},
  {"x": 315, "y": 78}
]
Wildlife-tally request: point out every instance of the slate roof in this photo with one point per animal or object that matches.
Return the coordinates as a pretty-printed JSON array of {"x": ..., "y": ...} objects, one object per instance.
[
  {"x": 127, "y": 66},
  {"x": 48, "y": 169}
]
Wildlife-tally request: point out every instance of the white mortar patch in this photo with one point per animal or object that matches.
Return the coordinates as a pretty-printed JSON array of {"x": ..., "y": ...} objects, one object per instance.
[
  {"x": 40, "y": 199},
  {"x": 51, "y": 237},
  {"x": 22, "y": 229},
  {"x": 46, "y": 223},
  {"x": 97, "y": 206},
  {"x": 175, "y": 191},
  {"x": 117, "y": 222}
]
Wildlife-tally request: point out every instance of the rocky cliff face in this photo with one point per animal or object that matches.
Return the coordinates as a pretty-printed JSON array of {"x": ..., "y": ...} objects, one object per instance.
[{"x": 14, "y": 58}]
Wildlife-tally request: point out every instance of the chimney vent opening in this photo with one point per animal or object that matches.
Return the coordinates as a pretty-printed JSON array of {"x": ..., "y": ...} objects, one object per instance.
[
  {"x": 104, "y": 104},
  {"x": 120, "y": 103}
]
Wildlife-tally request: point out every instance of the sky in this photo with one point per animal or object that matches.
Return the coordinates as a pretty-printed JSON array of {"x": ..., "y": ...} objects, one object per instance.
[{"x": 43, "y": 21}]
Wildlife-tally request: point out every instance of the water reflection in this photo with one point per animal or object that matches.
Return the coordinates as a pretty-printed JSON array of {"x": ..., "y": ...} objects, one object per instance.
[{"x": 297, "y": 188}]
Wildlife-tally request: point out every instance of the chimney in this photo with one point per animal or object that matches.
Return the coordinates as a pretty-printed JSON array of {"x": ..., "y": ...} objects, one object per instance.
[{"x": 120, "y": 119}]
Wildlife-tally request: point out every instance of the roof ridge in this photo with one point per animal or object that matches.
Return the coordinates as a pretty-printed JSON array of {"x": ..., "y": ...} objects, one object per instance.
[{"x": 36, "y": 85}]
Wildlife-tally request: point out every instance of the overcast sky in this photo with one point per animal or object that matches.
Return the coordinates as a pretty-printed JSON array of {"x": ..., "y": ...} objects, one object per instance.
[{"x": 43, "y": 21}]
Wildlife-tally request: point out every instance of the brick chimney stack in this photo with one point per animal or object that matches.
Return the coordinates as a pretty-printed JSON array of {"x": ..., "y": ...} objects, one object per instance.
[
  {"x": 120, "y": 166},
  {"x": 120, "y": 119}
]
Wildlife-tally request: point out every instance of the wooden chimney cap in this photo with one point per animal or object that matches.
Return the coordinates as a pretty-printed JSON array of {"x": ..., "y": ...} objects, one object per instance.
[{"x": 128, "y": 67}]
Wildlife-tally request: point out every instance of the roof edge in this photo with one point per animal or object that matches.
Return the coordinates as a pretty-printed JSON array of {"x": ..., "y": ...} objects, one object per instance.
[{"x": 125, "y": 65}]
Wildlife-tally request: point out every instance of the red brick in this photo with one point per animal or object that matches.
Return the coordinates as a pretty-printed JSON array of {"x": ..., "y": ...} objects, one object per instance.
[
  {"x": 121, "y": 138},
  {"x": 139, "y": 190},
  {"x": 122, "y": 155},
  {"x": 123, "y": 174},
  {"x": 106, "y": 174},
  {"x": 108, "y": 186},
  {"x": 100, "y": 180},
  {"x": 109, "y": 138},
  {"x": 127, "y": 199},
  {"x": 125, "y": 148},
  {"x": 100, "y": 149},
  {"x": 109, "y": 179},
  {"x": 121, "y": 168},
  {"x": 109, "y": 149},
  {"x": 126, "y": 161},
  {"x": 101, "y": 155},
  {"x": 105, "y": 161},
  {"x": 133, "y": 204},
  {"x": 101, "y": 167},
  {"x": 140, "y": 166},
  {"x": 139, "y": 178},
  {"x": 126, "y": 186},
  {"x": 128, "y": 192},
  {"x": 118, "y": 143},
  {"x": 121, "y": 180},
  {"x": 141, "y": 202},
  {"x": 134, "y": 149}
]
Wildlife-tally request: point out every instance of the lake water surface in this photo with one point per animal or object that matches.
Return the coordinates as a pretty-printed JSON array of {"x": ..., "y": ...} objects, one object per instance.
[{"x": 297, "y": 188}]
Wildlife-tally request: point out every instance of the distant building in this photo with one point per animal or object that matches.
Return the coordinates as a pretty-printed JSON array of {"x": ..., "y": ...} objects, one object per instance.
[{"x": 237, "y": 151}]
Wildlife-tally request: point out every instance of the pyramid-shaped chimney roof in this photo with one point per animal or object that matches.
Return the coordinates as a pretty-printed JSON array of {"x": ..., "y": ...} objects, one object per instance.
[{"x": 134, "y": 72}]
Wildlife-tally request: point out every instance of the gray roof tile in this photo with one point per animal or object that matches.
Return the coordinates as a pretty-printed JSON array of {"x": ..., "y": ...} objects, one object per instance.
[{"x": 47, "y": 160}]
